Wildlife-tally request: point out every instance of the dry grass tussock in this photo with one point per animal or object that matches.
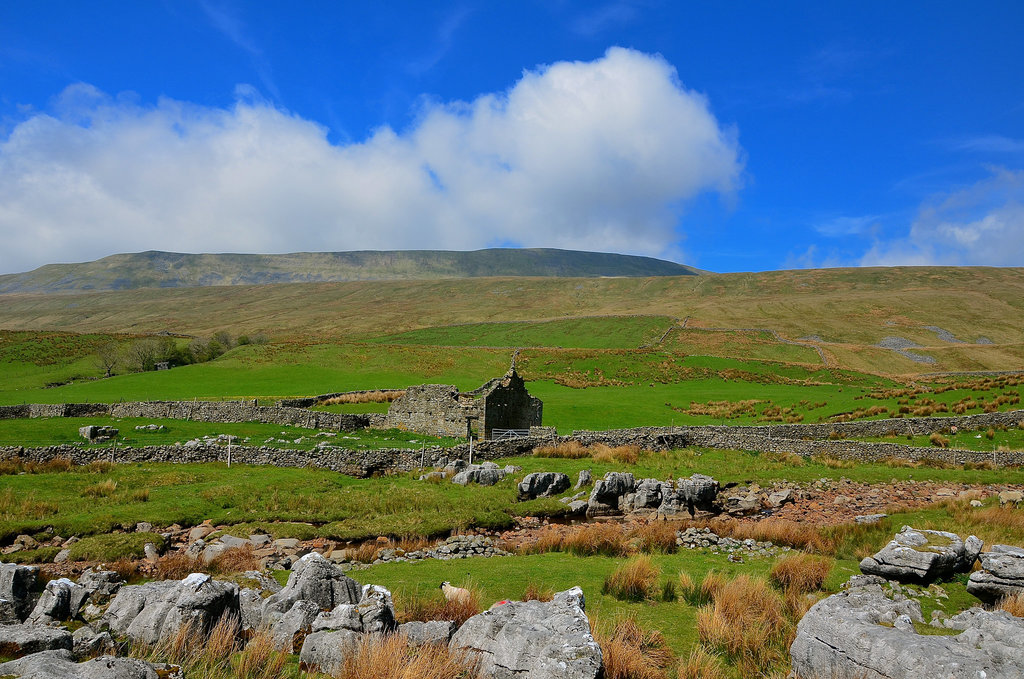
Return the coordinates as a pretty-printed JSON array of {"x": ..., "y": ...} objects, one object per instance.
[
  {"x": 634, "y": 580},
  {"x": 418, "y": 607},
  {"x": 604, "y": 539},
  {"x": 376, "y": 396},
  {"x": 574, "y": 450},
  {"x": 1014, "y": 605},
  {"x": 391, "y": 657},
  {"x": 655, "y": 537},
  {"x": 747, "y": 623},
  {"x": 236, "y": 560},
  {"x": 15, "y": 465},
  {"x": 199, "y": 652},
  {"x": 802, "y": 573},
  {"x": 24, "y": 506},
  {"x": 535, "y": 592},
  {"x": 702, "y": 664},
  {"x": 701, "y": 593},
  {"x": 101, "y": 489},
  {"x": 631, "y": 652}
]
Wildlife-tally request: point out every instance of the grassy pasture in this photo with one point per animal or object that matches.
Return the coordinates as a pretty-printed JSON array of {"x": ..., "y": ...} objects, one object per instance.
[
  {"x": 61, "y": 430},
  {"x": 607, "y": 332},
  {"x": 851, "y": 309},
  {"x": 744, "y": 344},
  {"x": 342, "y": 507}
]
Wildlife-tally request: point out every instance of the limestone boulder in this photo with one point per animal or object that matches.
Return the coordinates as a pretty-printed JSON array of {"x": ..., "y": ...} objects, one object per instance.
[
  {"x": 88, "y": 643},
  {"x": 60, "y": 600},
  {"x": 583, "y": 480},
  {"x": 16, "y": 583},
  {"x": 313, "y": 578},
  {"x": 543, "y": 484},
  {"x": 607, "y": 493},
  {"x": 430, "y": 632},
  {"x": 688, "y": 495},
  {"x": 1001, "y": 574},
  {"x": 100, "y": 586},
  {"x": 291, "y": 629},
  {"x": 484, "y": 475},
  {"x": 539, "y": 640},
  {"x": 156, "y": 610},
  {"x": 24, "y": 639},
  {"x": 326, "y": 651},
  {"x": 61, "y": 665},
  {"x": 863, "y": 633},
  {"x": 922, "y": 556},
  {"x": 646, "y": 496}
]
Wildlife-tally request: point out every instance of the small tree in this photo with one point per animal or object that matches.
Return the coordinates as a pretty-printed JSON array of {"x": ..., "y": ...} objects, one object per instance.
[
  {"x": 108, "y": 357},
  {"x": 142, "y": 355}
]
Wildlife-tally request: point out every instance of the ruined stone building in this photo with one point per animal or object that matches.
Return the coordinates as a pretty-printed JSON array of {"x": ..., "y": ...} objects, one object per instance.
[{"x": 441, "y": 409}]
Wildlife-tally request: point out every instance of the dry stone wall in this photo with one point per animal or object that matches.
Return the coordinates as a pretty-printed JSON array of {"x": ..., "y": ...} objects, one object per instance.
[{"x": 201, "y": 411}]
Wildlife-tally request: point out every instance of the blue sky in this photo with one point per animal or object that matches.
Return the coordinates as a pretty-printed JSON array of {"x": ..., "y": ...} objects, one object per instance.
[{"x": 728, "y": 136}]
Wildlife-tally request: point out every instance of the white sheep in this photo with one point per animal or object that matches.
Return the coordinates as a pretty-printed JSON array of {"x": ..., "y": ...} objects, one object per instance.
[{"x": 456, "y": 594}]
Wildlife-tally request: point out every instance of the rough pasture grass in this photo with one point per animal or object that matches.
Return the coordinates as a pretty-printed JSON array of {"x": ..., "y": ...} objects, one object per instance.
[
  {"x": 738, "y": 344},
  {"x": 57, "y": 430},
  {"x": 341, "y": 507},
  {"x": 854, "y": 307},
  {"x": 313, "y": 502},
  {"x": 609, "y": 332}
]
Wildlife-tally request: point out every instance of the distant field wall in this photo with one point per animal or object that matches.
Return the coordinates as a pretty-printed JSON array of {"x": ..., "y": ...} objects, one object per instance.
[
  {"x": 200, "y": 411},
  {"x": 802, "y": 439}
]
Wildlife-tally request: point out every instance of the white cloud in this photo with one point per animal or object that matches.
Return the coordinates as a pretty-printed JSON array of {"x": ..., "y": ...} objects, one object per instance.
[
  {"x": 981, "y": 225},
  {"x": 596, "y": 155}
]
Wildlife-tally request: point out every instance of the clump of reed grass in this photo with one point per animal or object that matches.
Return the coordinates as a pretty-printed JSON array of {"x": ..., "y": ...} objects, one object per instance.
[
  {"x": 631, "y": 652},
  {"x": 375, "y": 396},
  {"x": 392, "y": 657},
  {"x": 635, "y": 580},
  {"x": 747, "y": 623},
  {"x": 536, "y": 592},
  {"x": 1014, "y": 605},
  {"x": 801, "y": 572},
  {"x": 102, "y": 489},
  {"x": 701, "y": 664}
]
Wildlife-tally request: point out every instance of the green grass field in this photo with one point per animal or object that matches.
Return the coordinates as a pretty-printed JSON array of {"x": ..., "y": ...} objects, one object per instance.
[{"x": 62, "y": 430}]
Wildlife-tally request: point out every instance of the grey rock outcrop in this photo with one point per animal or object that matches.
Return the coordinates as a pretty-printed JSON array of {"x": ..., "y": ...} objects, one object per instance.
[
  {"x": 862, "y": 633},
  {"x": 688, "y": 495},
  {"x": 486, "y": 474},
  {"x": 101, "y": 586},
  {"x": 60, "y": 600},
  {"x": 430, "y": 632},
  {"x": 583, "y": 480},
  {"x": 542, "y": 484},
  {"x": 156, "y": 610},
  {"x": 16, "y": 583},
  {"x": 539, "y": 640},
  {"x": 604, "y": 498},
  {"x": 61, "y": 665},
  {"x": 88, "y": 643},
  {"x": 923, "y": 556},
  {"x": 1002, "y": 574},
  {"x": 313, "y": 578},
  {"x": 291, "y": 629},
  {"x": 326, "y": 651},
  {"x": 338, "y": 633},
  {"x": 23, "y": 639}
]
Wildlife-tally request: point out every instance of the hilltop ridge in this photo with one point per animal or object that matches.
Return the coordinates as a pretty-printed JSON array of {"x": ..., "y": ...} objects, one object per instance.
[{"x": 156, "y": 269}]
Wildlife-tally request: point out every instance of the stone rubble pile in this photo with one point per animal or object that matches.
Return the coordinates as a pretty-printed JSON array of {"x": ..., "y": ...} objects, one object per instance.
[{"x": 705, "y": 538}]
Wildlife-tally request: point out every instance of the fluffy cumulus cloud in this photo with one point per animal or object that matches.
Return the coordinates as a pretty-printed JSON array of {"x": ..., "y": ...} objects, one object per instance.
[
  {"x": 981, "y": 225},
  {"x": 599, "y": 155}
]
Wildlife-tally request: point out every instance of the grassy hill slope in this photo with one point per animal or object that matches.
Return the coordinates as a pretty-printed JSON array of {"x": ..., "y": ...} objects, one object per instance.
[
  {"x": 960, "y": 318},
  {"x": 176, "y": 270}
]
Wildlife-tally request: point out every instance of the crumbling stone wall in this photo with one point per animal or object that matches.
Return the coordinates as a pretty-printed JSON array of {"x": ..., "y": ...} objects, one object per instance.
[
  {"x": 508, "y": 405},
  {"x": 201, "y": 411},
  {"x": 434, "y": 409}
]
